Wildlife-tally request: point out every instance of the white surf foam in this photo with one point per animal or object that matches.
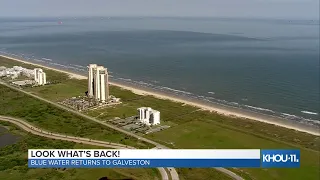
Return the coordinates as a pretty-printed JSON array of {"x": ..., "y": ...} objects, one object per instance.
[
  {"x": 175, "y": 90},
  {"x": 259, "y": 108},
  {"x": 78, "y": 66},
  {"x": 211, "y": 98},
  {"x": 143, "y": 83},
  {"x": 46, "y": 59},
  {"x": 308, "y": 112},
  {"x": 125, "y": 79},
  {"x": 38, "y": 60},
  {"x": 234, "y": 103},
  {"x": 290, "y": 115}
]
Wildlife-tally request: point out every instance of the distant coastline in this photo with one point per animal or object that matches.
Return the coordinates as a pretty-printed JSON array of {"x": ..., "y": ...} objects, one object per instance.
[{"x": 220, "y": 109}]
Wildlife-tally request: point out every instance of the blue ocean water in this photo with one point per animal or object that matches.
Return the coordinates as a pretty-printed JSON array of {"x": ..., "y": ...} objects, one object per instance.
[{"x": 268, "y": 66}]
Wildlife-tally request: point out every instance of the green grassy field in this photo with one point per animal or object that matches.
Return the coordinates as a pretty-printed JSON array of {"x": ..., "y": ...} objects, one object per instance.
[
  {"x": 60, "y": 91},
  {"x": 207, "y": 135},
  {"x": 14, "y": 164},
  {"x": 46, "y": 116},
  {"x": 75, "y": 127},
  {"x": 52, "y": 76},
  {"x": 192, "y": 128}
]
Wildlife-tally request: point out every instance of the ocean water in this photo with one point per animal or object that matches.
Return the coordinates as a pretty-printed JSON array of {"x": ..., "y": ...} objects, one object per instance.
[{"x": 262, "y": 65}]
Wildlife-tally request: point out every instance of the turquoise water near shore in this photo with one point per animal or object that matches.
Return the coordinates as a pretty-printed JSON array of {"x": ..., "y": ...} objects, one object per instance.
[{"x": 268, "y": 66}]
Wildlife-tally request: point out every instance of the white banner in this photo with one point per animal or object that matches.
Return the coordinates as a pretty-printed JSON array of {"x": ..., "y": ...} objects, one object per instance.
[{"x": 143, "y": 154}]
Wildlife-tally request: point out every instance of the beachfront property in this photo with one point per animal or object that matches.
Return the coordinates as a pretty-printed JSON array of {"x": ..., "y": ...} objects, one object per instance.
[
  {"x": 23, "y": 83},
  {"x": 149, "y": 116},
  {"x": 97, "y": 95},
  {"x": 31, "y": 76},
  {"x": 15, "y": 72},
  {"x": 98, "y": 83},
  {"x": 40, "y": 76}
]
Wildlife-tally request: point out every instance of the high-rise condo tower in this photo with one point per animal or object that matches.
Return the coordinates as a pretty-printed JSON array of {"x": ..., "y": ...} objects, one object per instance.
[
  {"x": 40, "y": 76},
  {"x": 98, "y": 83}
]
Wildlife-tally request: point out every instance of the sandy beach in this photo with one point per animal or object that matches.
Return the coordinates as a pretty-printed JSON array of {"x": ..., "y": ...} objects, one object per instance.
[{"x": 269, "y": 120}]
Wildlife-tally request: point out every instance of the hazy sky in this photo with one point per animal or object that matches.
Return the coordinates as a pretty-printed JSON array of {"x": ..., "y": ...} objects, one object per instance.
[{"x": 304, "y": 9}]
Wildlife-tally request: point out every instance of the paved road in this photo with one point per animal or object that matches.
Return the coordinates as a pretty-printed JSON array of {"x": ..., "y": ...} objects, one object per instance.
[
  {"x": 230, "y": 173},
  {"x": 34, "y": 130},
  {"x": 87, "y": 117},
  {"x": 173, "y": 172}
]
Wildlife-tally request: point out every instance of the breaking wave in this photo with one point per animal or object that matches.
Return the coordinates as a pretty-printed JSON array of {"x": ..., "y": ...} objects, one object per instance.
[
  {"x": 308, "y": 112},
  {"x": 124, "y": 79},
  {"x": 175, "y": 90},
  {"x": 78, "y": 66},
  {"x": 258, "y": 108},
  {"x": 38, "y": 60},
  {"x": 143, "y": 83},
  {"x": 234, "y": 103},
  {"x": 46, "y": 59},
  {"x": 288, "y": 115},
  {"x": 241, "y": 104}
]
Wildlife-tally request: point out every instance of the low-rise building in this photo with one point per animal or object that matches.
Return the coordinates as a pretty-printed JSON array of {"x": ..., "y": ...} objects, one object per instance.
[
  {"x": 2, "y": 68},
  {"x": 23, "y": 83},
  {"x": 15, "y": 72}
]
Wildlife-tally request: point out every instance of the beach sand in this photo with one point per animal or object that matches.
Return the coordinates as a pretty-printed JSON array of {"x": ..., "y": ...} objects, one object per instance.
[{"x": 221, "y": 111}]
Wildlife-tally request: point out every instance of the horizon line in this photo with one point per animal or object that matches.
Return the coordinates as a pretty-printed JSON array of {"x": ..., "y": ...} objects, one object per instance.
[{"x": 145, "y": 16}]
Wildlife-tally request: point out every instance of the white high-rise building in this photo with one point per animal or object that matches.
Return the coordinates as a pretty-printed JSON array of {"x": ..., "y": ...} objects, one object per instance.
[
  {"x": 91, "y": 68},
  {"x": 98, "y": 83},
  {"x": 149, "y": 116},
  {"x": 44, "y": 78},
  {"x": 40, "y": 76}
]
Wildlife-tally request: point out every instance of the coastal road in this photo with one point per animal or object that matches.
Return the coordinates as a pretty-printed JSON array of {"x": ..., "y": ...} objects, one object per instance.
[
  {"x": 230, "y": 173},
  {"x": 40, "y": 132},
  {"x": 173, "y": 172},
  {"x": 87, "y": 117}
]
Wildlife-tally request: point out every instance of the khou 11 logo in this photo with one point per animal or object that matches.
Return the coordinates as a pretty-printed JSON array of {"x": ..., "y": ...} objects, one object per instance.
[{"x": 280, "y": 158}]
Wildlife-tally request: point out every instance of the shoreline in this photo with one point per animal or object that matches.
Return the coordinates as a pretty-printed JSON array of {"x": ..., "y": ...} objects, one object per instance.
[{"x": 219, "y": 110}]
